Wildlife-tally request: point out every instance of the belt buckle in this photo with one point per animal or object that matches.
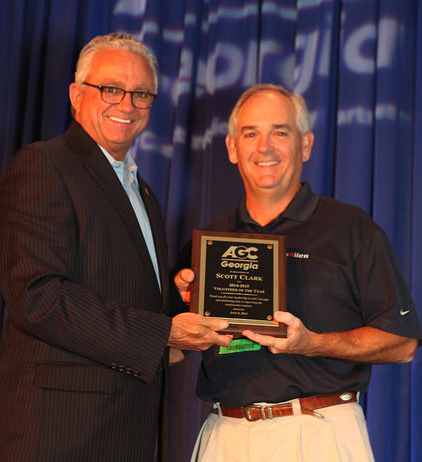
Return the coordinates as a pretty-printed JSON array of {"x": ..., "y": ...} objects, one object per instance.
[{"x": 249, "y": 418}]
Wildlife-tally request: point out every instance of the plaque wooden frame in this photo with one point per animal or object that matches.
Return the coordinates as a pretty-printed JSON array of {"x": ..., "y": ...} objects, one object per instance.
[{"x": 240, "y": 277}]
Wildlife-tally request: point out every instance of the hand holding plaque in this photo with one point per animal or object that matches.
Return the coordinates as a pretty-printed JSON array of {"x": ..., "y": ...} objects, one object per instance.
[{"x": 240, "y": 278}]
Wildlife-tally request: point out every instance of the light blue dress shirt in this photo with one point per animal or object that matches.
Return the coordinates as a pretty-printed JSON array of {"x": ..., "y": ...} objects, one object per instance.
[{"x": 126, "y": 172}]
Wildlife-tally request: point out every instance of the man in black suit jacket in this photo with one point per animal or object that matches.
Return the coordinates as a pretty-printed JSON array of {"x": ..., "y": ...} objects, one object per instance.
[{"x": 83, "y": 271}]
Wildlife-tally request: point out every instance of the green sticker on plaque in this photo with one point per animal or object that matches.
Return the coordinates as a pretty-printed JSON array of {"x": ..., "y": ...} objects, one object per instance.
[{"x": 239, "y": 346}]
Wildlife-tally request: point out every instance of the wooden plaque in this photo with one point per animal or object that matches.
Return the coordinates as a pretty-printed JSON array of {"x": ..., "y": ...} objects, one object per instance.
[{"x": 240, "y": 278}]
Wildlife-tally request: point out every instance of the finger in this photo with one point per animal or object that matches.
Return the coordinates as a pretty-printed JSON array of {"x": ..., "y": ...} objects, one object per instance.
[
  {"x": 275, "y": 345},
  {"x": 265, "y": 340},
  {"x": 274, "y": 350},
  {"x": 187, "y": 275},
  {"x": 223, "y": 340},
  {"x": 175, "y": 356},
  {"x": 215, "y": 324},
  {"x": 183, "y": 279},
  {"x": 285, "y": 317}
]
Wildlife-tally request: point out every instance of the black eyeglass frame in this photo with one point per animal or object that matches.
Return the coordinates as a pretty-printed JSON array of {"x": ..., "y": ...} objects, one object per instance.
[{"x": 102, "y": 87}]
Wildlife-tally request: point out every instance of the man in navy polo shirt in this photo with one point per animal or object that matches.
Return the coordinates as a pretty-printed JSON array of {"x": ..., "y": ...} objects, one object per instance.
[{"x": 295, "y": 398}]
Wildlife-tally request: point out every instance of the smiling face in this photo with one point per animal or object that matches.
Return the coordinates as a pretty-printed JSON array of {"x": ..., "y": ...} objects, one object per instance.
[
  {"x": 269, "y": 148},
  {"x": 113, "y": 126}
]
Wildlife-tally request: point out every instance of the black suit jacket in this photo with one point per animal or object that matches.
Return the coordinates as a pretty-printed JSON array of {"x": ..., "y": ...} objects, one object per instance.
[{"x": 81, "y": 352}]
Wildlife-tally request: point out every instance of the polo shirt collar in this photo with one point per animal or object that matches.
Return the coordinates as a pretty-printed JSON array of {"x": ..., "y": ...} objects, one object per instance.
[{"x": 300, "y": 208}]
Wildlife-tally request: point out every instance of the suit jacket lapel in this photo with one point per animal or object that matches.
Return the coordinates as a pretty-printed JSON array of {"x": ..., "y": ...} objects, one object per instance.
[{"x": 154, "y": 214}]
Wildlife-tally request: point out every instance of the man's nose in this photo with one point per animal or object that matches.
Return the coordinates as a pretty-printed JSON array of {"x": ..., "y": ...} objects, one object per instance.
[
  {"x": 264, "y": 143},
  {"x": 126, "y": 102}
]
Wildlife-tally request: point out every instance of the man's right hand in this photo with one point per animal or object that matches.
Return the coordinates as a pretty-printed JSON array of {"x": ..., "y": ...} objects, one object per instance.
[
  {"x": 183, "y": 280},
  {"x": 191, "y": 331}
]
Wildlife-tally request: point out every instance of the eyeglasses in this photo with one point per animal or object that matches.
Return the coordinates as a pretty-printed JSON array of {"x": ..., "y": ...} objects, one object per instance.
[{"x": 115, "y": 95}]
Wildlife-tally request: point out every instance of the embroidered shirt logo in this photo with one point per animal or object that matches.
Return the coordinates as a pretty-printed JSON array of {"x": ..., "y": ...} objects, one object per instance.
[
  {"x": 404, "y": 312},
  {"x": 299, "y": 255}
]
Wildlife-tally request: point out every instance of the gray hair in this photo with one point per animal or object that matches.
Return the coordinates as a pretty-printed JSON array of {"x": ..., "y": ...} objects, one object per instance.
[
  {"x": 118, "y": 41},
  {"x": 302, "y": 115}
]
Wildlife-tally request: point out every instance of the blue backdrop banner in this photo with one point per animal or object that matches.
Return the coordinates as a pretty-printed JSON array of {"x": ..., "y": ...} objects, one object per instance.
[{"x": 358, "y": 63}]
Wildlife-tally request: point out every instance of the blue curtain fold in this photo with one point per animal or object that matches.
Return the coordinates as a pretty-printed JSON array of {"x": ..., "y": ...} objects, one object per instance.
[{"x": 358, "y": 63}]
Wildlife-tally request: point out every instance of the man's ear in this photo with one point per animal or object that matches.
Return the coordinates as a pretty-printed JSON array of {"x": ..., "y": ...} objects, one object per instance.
[
  {"x": 307, "y": 143},
  {"x": 231, "y": 149},
  {"x": 75, "y": 95}
]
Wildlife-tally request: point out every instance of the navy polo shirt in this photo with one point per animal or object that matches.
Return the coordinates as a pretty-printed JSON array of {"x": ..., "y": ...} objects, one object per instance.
[{"x": 342, "y": 273}]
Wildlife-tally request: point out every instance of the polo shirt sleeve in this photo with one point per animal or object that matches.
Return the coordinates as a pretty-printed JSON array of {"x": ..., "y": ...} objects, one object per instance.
[{"x": 386, "y": 302}]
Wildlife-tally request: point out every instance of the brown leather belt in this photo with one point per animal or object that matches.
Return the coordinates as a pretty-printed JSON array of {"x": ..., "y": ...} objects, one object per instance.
[{"x": 308, "y": 406}]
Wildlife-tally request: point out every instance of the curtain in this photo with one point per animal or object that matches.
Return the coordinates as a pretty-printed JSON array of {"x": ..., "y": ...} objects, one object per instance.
[
  {"x": 358, "y": 63},
  {"x": 39, "y": 45}
]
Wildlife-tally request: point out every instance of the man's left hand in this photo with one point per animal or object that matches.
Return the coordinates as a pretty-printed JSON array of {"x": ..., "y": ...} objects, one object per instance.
[
  {"x": 364, "y": 344},
  {"x": 299, "y": 340}
]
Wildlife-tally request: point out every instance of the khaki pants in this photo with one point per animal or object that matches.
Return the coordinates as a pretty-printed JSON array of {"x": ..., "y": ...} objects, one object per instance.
[{"x": 340, "y": 437}]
